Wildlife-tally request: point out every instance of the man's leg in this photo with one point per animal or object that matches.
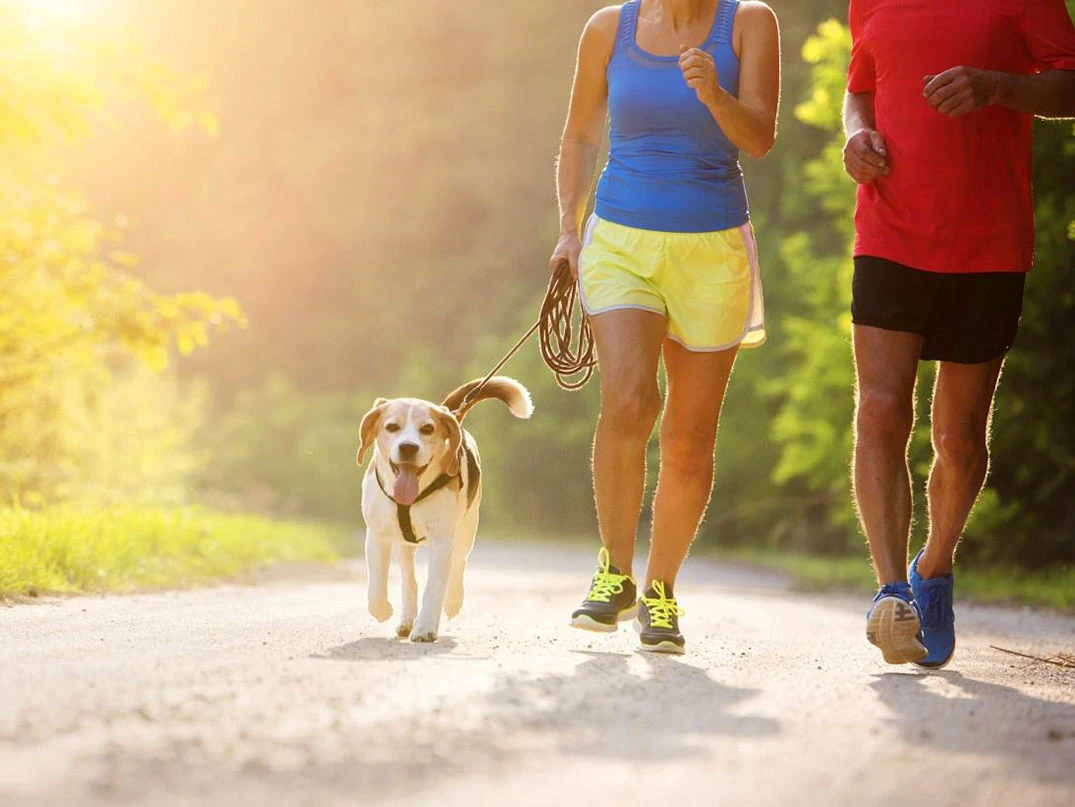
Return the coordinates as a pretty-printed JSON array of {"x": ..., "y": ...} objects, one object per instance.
[
  {"x": 962, "y": 405},
  {"x": 696, "y": 386},
  {"x": 886, "y": 364},
  {"x": 628, "y": 347}
]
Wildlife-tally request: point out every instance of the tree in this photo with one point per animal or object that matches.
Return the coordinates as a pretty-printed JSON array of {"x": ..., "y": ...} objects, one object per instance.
[
  {"x": 1027, "y": 513},
  {"x": 73, "y": 311}
]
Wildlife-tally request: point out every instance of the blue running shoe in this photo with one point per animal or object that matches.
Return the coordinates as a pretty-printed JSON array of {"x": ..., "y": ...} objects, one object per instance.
[
  {"x": 894, "y": 624},
  {"x": 934, "y": 598}
]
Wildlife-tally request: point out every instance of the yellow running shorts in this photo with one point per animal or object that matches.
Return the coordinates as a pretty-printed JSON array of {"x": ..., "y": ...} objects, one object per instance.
[{"x": 706, "y": 285}]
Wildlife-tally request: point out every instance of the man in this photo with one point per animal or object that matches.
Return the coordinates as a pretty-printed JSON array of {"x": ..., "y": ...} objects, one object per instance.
[{"x": 938, "y": 114}]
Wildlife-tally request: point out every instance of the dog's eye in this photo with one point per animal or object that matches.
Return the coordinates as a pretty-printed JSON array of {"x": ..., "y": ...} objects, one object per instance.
[
  {"x": 391, "y": 427},
  {"x": 429, "y": 428}
]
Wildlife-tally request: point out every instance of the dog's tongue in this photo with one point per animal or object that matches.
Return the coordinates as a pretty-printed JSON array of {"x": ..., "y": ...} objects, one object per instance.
[{"x": 406, "y": 489}]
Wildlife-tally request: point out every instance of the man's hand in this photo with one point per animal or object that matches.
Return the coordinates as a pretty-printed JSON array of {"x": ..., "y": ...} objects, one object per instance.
[
  {"x": 567, "y": 249},
  {"x": 700, "y": 72},
  {"x": 865, "y": 156},
  {"x": 960, "y": 90}
]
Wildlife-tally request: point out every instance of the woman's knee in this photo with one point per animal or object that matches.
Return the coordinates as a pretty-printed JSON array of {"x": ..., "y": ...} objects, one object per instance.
[
  {"x": 631, "y": 408},
  {"x": 687, "y": 448},
  {"x": 884, "y": 414}
]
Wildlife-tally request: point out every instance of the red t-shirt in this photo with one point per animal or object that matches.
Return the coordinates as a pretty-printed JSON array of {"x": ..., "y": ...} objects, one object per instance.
[{"x": 958, "y": 197}]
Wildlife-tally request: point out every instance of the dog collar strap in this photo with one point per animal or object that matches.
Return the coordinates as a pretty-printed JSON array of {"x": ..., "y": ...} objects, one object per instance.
[{"x": 403, "y": 511}]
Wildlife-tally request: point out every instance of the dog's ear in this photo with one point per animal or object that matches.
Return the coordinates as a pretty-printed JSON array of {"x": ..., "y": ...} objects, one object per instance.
[
  {"x": 455, "y": 439},
  {"x": 368, "y": 430}
]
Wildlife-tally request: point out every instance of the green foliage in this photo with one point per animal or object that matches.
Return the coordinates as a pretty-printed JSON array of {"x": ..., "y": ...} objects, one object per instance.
[
  {"x": 539, "y": 469},
  {"x": 825, "y": 52},
  {"x": 122, "y": 549},
  {"x": 76, "y": 321},
  {"x": 279, "y": 450},
  {"x": 1052, "y": 588},
  {"x": 1025, "y": 516},
  {"x": 1031, "y": 517},
  {"x": 466, "y": 278},
  {"x": 130, "y": 439},
  {"x": 388, "y": 233},
  {"x": 282, "y": 450},
  {"x": 59, "y": 80}
]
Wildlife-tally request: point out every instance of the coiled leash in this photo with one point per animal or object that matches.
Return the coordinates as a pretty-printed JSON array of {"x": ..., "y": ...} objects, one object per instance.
[
  {"x": 572, "y": 361},
  {"x": 571, "y": 358}
]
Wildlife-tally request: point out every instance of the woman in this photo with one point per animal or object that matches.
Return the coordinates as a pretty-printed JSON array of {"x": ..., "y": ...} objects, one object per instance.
[{"x": 667, "y": 265}]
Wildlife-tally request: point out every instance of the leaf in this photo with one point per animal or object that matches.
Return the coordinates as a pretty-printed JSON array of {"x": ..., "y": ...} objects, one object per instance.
[{"x": 185, "y": 343}]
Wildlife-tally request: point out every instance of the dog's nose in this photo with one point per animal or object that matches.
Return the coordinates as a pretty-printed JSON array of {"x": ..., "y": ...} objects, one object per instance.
[{"x": 408, "y": 451}]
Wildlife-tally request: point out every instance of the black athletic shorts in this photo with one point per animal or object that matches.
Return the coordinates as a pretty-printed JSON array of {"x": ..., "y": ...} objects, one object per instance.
[{"x": 966, "y": 318}]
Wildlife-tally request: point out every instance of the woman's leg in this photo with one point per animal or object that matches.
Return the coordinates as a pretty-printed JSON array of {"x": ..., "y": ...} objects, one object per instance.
[
  {"x": 628, "y": 348},
  {"x": 696, "y": 385}
]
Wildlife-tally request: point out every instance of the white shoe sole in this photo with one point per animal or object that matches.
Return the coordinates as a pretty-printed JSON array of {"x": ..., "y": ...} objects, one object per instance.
[
  {"x": 668, "y": 647},
  {"x": 946, "y": 662},
  {"x": 584, "y": 622},
  {"x": 893, "y": 626}
]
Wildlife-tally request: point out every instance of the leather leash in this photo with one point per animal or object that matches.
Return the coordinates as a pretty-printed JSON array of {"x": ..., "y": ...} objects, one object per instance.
[{"x": 571, "y": 358}]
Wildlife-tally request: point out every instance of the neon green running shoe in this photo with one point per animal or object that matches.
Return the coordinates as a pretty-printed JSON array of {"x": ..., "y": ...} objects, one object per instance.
[
  {"x": 612, "y": 598},
  {"x": 658, "y": 621}
]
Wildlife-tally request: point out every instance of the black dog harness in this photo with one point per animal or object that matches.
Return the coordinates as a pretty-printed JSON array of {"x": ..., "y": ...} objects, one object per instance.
[{"x": 403, "y": 511}]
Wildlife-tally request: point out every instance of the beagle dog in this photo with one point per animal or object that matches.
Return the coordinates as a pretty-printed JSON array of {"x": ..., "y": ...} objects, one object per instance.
[{"x": 423, "y": 486}]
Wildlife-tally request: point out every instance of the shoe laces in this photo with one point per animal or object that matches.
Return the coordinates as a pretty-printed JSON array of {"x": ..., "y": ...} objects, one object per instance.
[
  {"x": 606, "y": 583},
  {"x": 901, "y": 590},
  {"x": 662, "y": 609}
]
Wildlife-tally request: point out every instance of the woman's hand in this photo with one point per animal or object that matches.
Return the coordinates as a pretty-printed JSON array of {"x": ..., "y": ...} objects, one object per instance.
[
  {"x": 567, "y": 249},
  {"x": 700, "y": 72},
  {"x": 749, "y": 120}
]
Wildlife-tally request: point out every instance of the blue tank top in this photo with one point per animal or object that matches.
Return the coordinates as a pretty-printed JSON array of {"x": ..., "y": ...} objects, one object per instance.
[{"x": 670, "y": 167}]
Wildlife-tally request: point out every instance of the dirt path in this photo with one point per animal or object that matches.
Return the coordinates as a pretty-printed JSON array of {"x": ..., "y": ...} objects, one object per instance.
[{"x": 288, "y": 694}]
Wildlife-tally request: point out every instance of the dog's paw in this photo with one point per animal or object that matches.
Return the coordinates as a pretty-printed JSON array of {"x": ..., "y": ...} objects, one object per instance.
[
  {"x": 403, "y": 629},
  {"x": 419, "y": 634},
  {"x": 380, "y": 610},
  {"x": 453, "y": 603}
]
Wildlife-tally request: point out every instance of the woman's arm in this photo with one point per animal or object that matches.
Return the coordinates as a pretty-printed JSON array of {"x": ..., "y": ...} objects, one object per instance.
[
  {"x": 749, "y": 121},
  {"x": 583, "y": 133}
]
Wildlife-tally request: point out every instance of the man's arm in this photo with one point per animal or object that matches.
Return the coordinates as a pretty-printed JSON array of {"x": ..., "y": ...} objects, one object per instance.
[
  {"x": 865, "y": 154},
  {"x": 858, "y": 112},
  {"x": 1049, "y": 94}
]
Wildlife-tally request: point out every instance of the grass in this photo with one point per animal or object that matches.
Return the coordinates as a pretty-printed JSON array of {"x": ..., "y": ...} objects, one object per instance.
[
  {"x": 1054, "y": 588},
  {"x": 119, "y": 549},
  {"x": 130, "y": 548}
]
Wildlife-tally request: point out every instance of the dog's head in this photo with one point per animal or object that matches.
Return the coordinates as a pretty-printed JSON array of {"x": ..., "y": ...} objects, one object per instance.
[{"x": 410, "y": 436}]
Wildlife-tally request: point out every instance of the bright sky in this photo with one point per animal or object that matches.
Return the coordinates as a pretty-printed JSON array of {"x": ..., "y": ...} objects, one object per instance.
[{"x": 60, "y": 10}]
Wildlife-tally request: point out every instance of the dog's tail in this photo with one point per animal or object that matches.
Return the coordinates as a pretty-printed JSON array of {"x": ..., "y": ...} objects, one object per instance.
[{"x": 505, "y": 389}]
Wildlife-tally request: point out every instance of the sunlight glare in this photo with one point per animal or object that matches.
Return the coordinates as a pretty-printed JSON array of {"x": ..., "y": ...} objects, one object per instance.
[{"x": 57, "y": 10}]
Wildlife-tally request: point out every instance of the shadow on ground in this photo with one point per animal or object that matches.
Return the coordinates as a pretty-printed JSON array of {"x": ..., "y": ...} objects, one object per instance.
[
  {"x": 604, "y": 708},
  {"x": 1005, "y": 722},
  {"x": 382, "y": 648}
]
